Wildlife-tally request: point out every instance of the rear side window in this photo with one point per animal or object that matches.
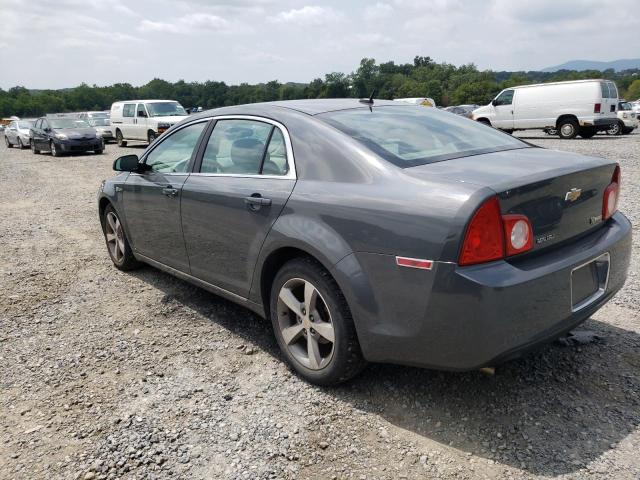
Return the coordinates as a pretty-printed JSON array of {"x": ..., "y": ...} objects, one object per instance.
[
  {"x": 608, "y": 90},
  {"x": 236, "y": 147},
  {"x": 129, "y": 110},
  {"x": 413, "y": 135}
]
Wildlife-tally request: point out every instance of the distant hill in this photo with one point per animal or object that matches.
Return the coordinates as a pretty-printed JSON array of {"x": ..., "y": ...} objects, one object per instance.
[{"x": 579, "y": 65}]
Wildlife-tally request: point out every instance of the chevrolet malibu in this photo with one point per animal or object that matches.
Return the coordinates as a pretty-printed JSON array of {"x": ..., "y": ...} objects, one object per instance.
[{"x": 372, "y": 231}]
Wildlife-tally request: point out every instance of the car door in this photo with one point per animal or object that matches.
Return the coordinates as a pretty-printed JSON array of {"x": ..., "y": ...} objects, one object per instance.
[
  {"x": 11, "y": 133},
  {"x": 43, "y": 135},
  {"x": 141, "y": 122},
  {"x": 152, "y": 198},
  {"x": 128, "y": 126},
  {"x": 503, "y": 105},
  {"x": 239, "y": 187}
]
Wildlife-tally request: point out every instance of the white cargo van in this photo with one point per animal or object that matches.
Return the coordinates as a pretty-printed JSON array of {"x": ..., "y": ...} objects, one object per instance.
[
  {"x": 144, "y": 120},
  {"x": 580, "y": 107}
]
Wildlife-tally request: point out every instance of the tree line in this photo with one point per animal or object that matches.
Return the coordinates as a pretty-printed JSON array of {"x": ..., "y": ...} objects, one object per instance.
[{"x": 447, "y": 84}]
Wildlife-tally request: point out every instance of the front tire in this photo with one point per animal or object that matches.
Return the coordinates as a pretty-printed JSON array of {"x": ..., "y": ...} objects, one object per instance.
[
  {"x": 568, "y": 129},
  {"x": 117, "y": 244},
  {"x": 54, "y": 150},
  {"x": 6, "y": 141},
  {"x": 32, "y": 144},
  {"x": 119, "y": 138},
  {"x": 20, "y": 144},
  {"x": 151, "y": 136},
  {"x": 313, "y": 324}
]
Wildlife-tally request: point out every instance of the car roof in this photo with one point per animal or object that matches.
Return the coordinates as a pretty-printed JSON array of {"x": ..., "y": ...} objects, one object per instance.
[{"x": 306, "y": 106}]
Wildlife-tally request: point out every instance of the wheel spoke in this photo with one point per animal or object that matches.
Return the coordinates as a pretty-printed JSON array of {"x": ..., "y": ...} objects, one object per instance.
[
  {"x": 111, "y": 222},
  {"x": 121, "y": 246},
  {"x": 290, "y": 300},
  {"x": 110, "y": 237},
  {"x": 310, "y": 296},
  {"x": 313, "y": 350},
  {"x": 292, "y": 333},
  {"x": 325, "y": 329}
]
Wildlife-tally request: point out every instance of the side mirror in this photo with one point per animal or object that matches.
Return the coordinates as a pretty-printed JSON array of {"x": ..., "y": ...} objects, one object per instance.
[
  {"x": 494, "y": 102},
  {"x": 127, "y": 163},
  {"x": 48, "y": 129}
]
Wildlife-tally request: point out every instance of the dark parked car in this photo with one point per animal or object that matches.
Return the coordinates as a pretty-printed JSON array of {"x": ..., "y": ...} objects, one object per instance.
[
  {"x": 64, "y": 135},
  {"x": 374, "y": 232}
]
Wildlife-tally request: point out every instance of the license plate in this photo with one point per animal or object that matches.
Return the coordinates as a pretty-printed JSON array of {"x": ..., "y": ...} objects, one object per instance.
[{"x": 589, "y": 282}]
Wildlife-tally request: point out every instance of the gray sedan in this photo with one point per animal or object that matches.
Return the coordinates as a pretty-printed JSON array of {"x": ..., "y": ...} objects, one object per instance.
[{"x": 374, "y": 231}]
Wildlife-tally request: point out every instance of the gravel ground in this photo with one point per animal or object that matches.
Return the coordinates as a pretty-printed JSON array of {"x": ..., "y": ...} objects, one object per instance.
[{"x": 105, "y": 374}]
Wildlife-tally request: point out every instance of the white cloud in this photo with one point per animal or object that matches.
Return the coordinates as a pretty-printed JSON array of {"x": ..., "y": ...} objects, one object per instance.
[
  {"x": 194, "y": 23},
  {"x": 310, "y": 15},
  {"x": 379, "y": 11}
]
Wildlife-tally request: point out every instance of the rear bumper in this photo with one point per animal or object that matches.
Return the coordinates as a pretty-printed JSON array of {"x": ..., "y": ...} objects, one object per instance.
[{"x": 463, "y": 318}]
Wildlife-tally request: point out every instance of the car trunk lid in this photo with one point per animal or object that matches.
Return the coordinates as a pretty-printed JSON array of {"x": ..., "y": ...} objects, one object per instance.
[{"x": 561, "y": 193}]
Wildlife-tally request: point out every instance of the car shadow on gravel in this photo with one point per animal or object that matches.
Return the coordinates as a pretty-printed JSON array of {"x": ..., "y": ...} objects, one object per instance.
[{"x": 550, "y": 413}]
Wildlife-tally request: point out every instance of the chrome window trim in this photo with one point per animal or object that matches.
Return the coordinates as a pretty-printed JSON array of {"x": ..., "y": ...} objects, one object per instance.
[{"x": 290, "y": 175}]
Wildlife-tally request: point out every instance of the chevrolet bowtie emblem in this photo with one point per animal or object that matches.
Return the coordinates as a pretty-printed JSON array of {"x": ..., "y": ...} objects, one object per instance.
[{"x": 572, "y": 195}]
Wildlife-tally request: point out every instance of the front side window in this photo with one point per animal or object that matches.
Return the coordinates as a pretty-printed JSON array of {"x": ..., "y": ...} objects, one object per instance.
[
  {"x": 174, "y": 153},
  {"x": 236, "y": 147},
  {"x": 39, "y": 123},
  {"x": 505, "y": 98},
  {"x": 129, "y": 110},
  {"x": 411, "y": 135},
  {"x": 142, "y": 112}
]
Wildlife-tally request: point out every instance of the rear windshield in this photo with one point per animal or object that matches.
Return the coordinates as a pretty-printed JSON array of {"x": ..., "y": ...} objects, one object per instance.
[{"x": 413, "y": 135}]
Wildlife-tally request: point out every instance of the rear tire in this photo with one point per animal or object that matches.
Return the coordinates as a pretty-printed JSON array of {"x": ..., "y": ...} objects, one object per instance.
[
  {"x": 616, "y": 129},
  {"x": 121, "y": 141},
  {"x": 568, "y": 128},
  {"x": 587, "y": 132},
  {"x": 318, "y": 359},
  {"x": 117, "y": 244},
  {"x": 98, "y": 152}
]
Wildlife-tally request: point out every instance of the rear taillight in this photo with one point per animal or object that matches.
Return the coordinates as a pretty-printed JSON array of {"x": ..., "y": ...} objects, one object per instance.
[
  {"x": 518, "y": 234},
  {"x": 596, "y": 108},
  {"x": 611, "y": 195},
  {"x": 492, "y": 236}
]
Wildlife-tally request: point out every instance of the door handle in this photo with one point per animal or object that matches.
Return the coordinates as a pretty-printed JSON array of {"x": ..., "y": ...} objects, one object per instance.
[
  {"x": 256, "y": 201},
  {"x": 170, "y": 191}
]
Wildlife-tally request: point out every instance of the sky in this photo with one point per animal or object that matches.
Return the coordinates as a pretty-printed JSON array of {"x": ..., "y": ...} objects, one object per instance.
[{"x": 62, "y": 43}]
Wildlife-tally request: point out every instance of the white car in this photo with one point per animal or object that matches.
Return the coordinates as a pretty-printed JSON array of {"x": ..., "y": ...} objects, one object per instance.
[
  {"x": 144, "y": 120},
  {"x": 17, "y": 133},
  {"x": 424, "y": 101},
  {"x": 627, "y": 120},
  {"x": 581, "y": 107}
]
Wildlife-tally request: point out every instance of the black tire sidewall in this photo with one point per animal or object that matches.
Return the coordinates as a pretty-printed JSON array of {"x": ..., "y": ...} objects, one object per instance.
[
  {"x": 575, "y": 126},
  {"x": 345, "y": 362},
  {"x": 128, "y": 260}
]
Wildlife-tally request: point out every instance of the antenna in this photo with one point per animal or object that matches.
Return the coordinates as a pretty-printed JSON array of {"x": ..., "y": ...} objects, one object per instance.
[{"x": 369, "y": 100}]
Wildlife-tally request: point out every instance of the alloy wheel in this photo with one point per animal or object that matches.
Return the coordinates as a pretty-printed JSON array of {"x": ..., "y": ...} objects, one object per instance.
[
  {"x": 305, "y": 323},
  {"x": 614, "y": 130},
  {"x": 115, "y": 237},
  {"x": 54, "y": 150}
]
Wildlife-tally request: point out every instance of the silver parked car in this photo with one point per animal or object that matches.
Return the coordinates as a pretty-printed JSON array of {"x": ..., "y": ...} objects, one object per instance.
[{"x": 17, "y": 134}]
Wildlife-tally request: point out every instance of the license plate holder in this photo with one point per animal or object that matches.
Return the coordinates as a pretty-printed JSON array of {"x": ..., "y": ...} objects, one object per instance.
[{"x": 589, "y": 282}]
